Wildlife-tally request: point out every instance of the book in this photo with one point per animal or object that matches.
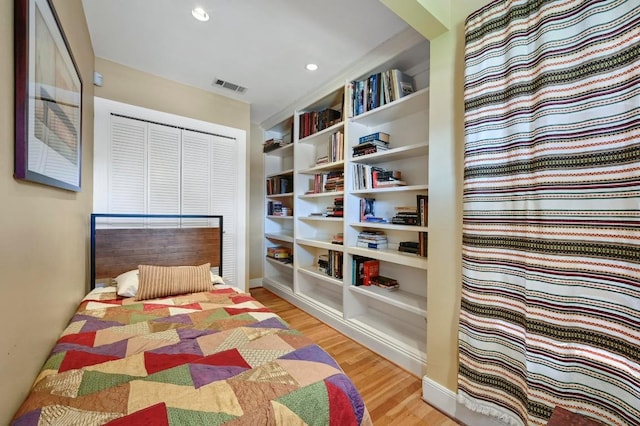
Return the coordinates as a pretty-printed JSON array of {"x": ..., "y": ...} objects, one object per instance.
[
  {"x": 402, "y": 84},
  {"x": 385, "y": 282},
  {"x": 422, "y": 206},
  {"x": 367, "y": 208},
  {"x": 370, "y": 269},
  {"x": 379, "y": 136},
  {"x": 372, "y": 245}
]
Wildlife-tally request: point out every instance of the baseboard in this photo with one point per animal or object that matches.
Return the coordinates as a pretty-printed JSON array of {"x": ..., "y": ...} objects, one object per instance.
[
  {"x": 445, "y": 400},
  {"x": 255, "y": 282}
]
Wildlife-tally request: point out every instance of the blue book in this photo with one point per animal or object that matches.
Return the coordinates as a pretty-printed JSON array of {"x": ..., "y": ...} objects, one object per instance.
[{"x": 377, "y": 136}]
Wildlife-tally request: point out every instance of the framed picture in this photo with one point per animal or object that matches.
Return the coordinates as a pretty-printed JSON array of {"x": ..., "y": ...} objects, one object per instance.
[{"x": 48, "y": 99}]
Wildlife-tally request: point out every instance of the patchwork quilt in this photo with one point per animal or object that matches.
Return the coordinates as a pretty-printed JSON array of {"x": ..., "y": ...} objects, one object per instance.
[{"x": 217, "y": 357}]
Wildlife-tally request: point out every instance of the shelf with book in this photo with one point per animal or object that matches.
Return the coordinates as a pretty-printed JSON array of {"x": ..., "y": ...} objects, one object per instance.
[
  {"x": 417, "y": 102},
  {"x": 398, "y": 298},
  {"x": 406, "y": 188},
  {"x": 389, "y": 322},
  {"x": 323, "y": 244},
  {"x": 279, "y": 237},
  {"x": 323, "y": 168},
  {"x": 321, "y": 195},
  {"x": 391, "y": 255},
  {"x": 398, "y": 153},
  {"x": 389, "y": 226},
  {"x": 313, "y": 272},
  {"x": 278, "y": 162},
  {"x": 279, "y": 263}
]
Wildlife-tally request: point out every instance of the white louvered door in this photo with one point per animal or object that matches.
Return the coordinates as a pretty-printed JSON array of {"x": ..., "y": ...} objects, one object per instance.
[
  {"x": 209, "y": 175},
  {"x": 196, "y": 175},
  {"x": 164, "y": 159},
  {"x": 224, "y": 200},
  {"x": 127, "y": 166}
]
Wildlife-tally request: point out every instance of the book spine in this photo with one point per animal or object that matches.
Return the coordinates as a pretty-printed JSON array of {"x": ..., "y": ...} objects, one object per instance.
[{"x": 380, "y": 136}]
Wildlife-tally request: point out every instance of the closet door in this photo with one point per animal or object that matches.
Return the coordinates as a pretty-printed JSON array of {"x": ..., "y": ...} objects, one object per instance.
[
  {"x": 163, "y": 156},
  {"x": 224, "y": 201},
  {"x": 127, "y": 173},
  {"x": 196, "y": 175},
  {"x": 209, "y": 175}
]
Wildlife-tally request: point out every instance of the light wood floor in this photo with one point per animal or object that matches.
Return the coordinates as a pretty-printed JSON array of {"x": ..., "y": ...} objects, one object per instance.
[{"x": 391, "y": 394}]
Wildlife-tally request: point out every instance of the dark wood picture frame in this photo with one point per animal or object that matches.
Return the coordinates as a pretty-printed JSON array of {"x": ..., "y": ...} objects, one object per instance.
[{"x": 48, "y": 99}]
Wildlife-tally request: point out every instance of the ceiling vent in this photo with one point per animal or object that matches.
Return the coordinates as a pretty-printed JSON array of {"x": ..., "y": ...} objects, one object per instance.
[{"x": 230, "y": 86}]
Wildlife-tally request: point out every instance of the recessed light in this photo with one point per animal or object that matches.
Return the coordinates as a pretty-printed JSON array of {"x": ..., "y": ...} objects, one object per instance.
[
  {"x": 311, "y": 67},
  {"x": 200, "y": 14}
]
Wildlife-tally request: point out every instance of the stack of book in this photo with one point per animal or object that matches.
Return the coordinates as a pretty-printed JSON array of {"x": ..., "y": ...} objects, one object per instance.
[
  {"x": 280, "y": 253},
  {"x": 334, "y": 181},
  {"x": 274, "y": 208},
  {"x": 364, "y": 269},
  {"x": 315, "y": 121},
  {"x": 387, "y": 178},
  {"x": 409, "y": 247},
  {"x": 331, "y": 264},
  {"x": 405, "y": 216},
  {"x": 379, "y": 89},
  {"x": 273, "y": 143},
  {"x": 337, "y": 209},
  {"x": 372, "y": 239},
  {"x": 279, "y": 185},
  {"x": 385, "y": 282},
  {"x": 371, "y": 143},
  {"x": 337, "y": 238}
]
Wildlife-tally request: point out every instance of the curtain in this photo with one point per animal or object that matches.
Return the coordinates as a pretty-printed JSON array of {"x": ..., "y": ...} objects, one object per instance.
[{"x": 550, "y": 310}]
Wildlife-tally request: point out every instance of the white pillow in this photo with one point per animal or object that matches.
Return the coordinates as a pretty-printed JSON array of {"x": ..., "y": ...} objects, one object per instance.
[{"x": 127, "y": 282}]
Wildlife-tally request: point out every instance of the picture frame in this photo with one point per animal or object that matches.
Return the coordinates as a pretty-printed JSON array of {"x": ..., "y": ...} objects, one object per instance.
[{"x": 48, "y": 99}]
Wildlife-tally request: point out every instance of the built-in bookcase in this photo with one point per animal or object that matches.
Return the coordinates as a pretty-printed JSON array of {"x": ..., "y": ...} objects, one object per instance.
[
  {"x": 278, "y": 228},
  {"x": 327, "y": 217}
]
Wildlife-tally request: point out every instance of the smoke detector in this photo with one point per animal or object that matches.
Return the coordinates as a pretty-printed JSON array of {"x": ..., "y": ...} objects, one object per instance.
[{"x": 230, "y": 86}]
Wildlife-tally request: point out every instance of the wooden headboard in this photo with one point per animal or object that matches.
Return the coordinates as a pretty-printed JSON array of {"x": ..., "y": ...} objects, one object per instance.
[{"x": 117, "y": 250}]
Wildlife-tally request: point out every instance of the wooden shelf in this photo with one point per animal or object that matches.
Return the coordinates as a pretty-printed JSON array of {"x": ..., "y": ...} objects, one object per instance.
[
  {"x": 313, "y": 272},
  {"x": 388, "y": 255},
  {"x": 316, "y": 137},
  {"x": 401, "y": 299},
  {"x": 280, "y": 237},
  {"x": 323, "y": 168},
  {"x": 319, "y": 244},
  {"x": 282, "y": 173},
  {"x": 389, "y": 226},
  {"x": 399, "y": 153},
  {"x": 283, "y": 151},
  {"x": 410, "y": 104},
  {"x": 285, "y": 195},
  {"x": 322, "y": 194}
]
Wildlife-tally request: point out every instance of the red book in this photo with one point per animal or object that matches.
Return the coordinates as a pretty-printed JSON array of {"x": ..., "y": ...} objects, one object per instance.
[{"x": 371, "y": 269}]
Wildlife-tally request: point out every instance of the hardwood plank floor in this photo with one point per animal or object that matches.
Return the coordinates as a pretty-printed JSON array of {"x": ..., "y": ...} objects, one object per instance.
[{"x": 392, "y": 395}]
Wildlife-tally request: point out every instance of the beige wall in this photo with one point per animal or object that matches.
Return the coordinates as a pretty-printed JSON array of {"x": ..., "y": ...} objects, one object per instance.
[
  {"x": 44, "y": 232},
  {"x": 443, "y": 24},
  {"x": 133, "y": 87}
]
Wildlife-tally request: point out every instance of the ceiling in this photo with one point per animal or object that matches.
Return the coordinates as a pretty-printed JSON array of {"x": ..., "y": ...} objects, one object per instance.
[{"x": 262, "y": 45}]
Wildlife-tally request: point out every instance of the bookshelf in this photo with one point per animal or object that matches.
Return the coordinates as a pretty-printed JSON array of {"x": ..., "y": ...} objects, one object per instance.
[
  {"x": 278, "y": 228},
  {"x": 390, "y": 322}
]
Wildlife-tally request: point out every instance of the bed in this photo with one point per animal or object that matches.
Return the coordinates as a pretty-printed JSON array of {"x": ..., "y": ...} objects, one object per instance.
[{"x": 204, "y": 357}]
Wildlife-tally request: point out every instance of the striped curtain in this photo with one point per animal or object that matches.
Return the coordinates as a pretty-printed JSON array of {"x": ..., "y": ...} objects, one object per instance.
[{"x": 550, "y": 312}]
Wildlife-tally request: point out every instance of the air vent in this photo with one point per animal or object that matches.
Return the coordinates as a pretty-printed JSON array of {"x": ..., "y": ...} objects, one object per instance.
[{"x": 230, "y": 86}]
